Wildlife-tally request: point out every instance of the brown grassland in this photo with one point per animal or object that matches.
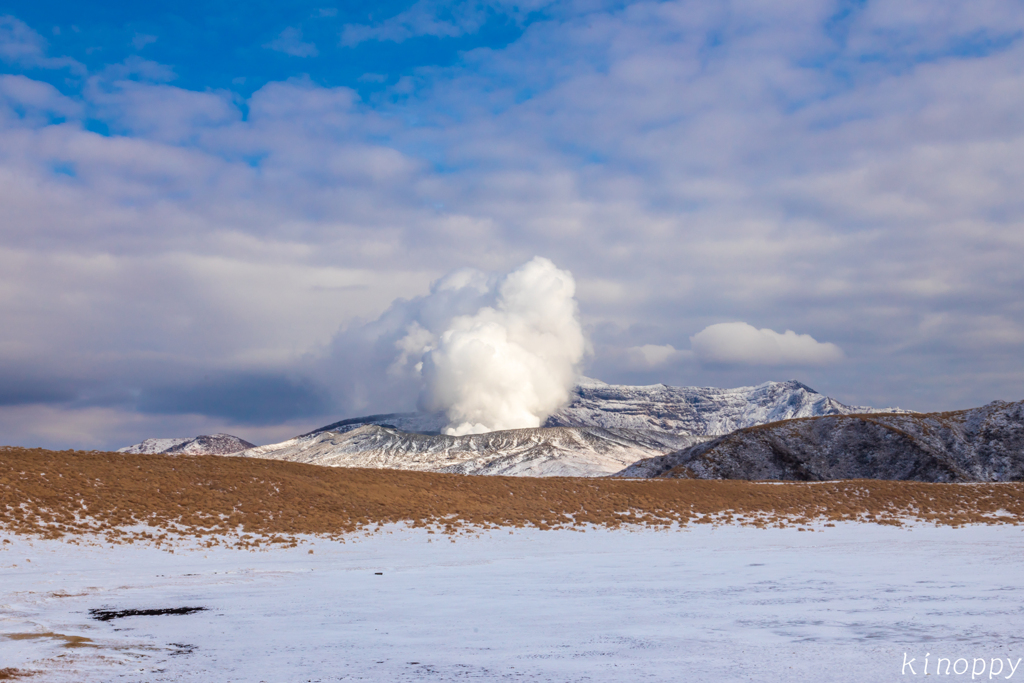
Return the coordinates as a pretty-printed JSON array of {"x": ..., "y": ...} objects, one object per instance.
[{"x": 248, "y": 502}]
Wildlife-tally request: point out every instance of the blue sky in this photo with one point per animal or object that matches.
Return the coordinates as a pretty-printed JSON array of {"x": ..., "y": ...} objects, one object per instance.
[
  {"x": 208, "y": 209},
  {"x": 225, "y": 45}
]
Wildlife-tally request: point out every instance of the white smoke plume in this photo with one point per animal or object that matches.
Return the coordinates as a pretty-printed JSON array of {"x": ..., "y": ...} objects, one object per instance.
[{"x": 507, "y": 365}]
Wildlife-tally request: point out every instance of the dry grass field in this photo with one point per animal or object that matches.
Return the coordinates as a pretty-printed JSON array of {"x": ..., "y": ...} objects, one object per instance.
[{"x": 218, "y": 499}]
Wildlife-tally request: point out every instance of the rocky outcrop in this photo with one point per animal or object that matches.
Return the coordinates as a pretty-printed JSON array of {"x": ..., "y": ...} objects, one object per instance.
[{"x": 981, "y": 444}]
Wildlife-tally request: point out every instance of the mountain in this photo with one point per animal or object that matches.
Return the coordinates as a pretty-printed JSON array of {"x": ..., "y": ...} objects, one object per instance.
[
  {"x": 217, "y": 444},
  {"x": 151, "y": 446},
  {"x": 693, "y": 411},
  {"x": 976, "y": 445},
  {"x": 542, "y": 452},
  {"x": 702, "y": 411},
  {"x": 600, "y": 431},
  {"x": 417, "y": 423}
]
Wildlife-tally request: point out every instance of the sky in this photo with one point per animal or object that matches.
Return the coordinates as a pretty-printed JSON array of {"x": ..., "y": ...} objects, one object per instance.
[{"x": 223, "y": 217}]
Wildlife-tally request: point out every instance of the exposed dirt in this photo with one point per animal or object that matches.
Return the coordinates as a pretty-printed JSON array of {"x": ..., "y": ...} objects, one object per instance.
[
  {"x": 246, "y": 502},
  {"x": 69, "y": 641},
  {"x": 108, "y": 614}
]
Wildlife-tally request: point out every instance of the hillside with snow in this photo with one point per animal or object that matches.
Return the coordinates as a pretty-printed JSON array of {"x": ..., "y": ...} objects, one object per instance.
[
  {"x": 980, "y": 444},
  {"x": 216, "y": 444}
]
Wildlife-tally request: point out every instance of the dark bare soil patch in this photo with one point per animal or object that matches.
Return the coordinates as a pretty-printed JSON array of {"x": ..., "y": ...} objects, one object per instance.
[
  {"x": 160, "y": 498},
  {"x": 108, "y": 614}
]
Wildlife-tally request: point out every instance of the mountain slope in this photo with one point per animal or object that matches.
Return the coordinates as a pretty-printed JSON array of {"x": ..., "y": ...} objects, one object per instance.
[
  {"x": 216, "y": 444},
  {"x": 553, "y": 451},
  {"x": 980, "y": 444}
]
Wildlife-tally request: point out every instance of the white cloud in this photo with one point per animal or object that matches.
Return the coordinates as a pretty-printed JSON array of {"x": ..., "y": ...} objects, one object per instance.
[
  {"x": 161, "y": 112},
  {"x": 141, "y": 40},
  {"x": 18, "y": 41},
  {"x": 740, "y": 343},
  {"x": 290, "y": 42},
  {"x": 35, "y": 102},
  {"x": 19, "y": 44},
  {"x": 653, "y": 356},
  {"x": 134, "y": 67},
  {"x": 440, "y": 19}
]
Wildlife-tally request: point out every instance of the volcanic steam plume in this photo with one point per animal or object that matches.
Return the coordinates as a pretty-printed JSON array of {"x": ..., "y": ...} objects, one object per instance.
[{"x": 508, "y": 365}]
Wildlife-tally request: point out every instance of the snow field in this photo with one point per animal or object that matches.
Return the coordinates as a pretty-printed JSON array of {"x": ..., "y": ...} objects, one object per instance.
[{"x": 693, "y": 604}]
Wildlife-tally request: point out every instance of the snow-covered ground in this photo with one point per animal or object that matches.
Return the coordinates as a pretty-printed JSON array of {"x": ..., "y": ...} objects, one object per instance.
[{"x": 699, "y": 604}]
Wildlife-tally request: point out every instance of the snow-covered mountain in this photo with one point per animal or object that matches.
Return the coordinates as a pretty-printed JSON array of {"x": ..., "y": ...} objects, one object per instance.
[
  {"x": 693, "y": 411},
  {"x": 216, "y": 444},
  {"x": 603, "y": 429},
  {"x": 543, "y": 452},
  {"x": 151, "y": 446},
  {"x": 416, "y": 423},
  {"x": 704, "y": 411},
  {"x": 980, "y": 444}
]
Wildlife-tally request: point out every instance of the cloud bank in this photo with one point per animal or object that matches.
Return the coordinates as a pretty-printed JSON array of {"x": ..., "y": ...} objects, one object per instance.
[
  {"x": 740, "y": 343},
  {"x": 853, "y": 170}
]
